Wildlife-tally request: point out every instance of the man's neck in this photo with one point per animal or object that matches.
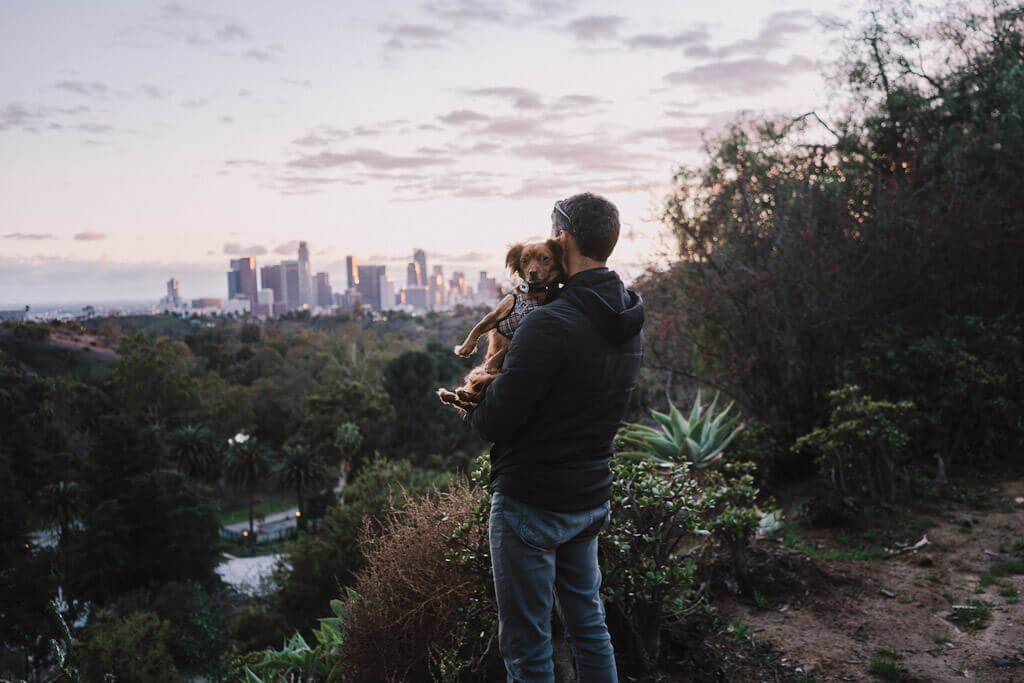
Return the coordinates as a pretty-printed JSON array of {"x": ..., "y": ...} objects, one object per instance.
[{"x": 579, "y": 263}]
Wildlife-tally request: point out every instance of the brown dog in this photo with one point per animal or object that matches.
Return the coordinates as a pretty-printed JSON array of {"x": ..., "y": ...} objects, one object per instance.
[{"x": 539, "y": 266}]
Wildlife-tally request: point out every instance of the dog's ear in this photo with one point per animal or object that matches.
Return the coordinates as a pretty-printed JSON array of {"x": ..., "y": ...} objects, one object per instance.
[
  {"x": 512, "y": 260},
  {"x": 556, "y": 252}
]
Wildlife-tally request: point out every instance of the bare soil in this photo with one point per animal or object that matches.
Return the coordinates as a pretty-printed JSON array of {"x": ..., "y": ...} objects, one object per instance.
[{"x": 839, "y": 620}]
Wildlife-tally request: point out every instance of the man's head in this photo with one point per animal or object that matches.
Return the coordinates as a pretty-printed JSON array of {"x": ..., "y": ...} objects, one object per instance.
[{"x": 591, "y": 220}]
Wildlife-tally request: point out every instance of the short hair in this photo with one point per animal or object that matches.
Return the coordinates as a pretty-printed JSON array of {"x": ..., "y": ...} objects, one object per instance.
[{"x": 593, "y": 221}]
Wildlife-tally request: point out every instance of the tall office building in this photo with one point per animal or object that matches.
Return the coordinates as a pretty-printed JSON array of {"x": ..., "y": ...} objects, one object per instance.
[
  {"x": 413, "y": 275},
  {"x": 270, "y": 278},
  {"x": 322, "y": 285},
  {"x": 290, "y": 284},
  {"x": 487, "y": 288},
  {"x": 242, "y": 278},
  {"x": 173, "y": 293},
  {"x": 306, "y": 291},
  {"x": 387, "y": 293},
  {"x": 420, "y": 257},
  {"x": 369, "y": 285},
  {"x": 437, "y": 289},
  {"x": 352, "y": 266}
]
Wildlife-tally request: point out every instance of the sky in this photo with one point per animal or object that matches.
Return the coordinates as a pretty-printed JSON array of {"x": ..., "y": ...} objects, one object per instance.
[{"x": 146, "y": 140}]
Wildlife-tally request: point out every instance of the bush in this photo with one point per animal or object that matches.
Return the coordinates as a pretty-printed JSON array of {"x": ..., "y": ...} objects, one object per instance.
[
  {"x": 131, "y": 648},
  {"x": 966, "y": 379},
  {"x": 863, "y": 449}
]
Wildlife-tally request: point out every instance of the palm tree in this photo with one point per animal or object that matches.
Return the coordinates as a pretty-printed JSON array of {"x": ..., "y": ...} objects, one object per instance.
[
  {"x": 248, "y": 465},
  {"x": 61, "y": 503},
  {"x": 194, "y": 449},
  {"x": 301, "y": 469},
  {"x": 347, "y": 439}
]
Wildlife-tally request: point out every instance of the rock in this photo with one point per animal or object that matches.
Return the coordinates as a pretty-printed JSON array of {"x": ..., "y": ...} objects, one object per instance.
[{"x": 887, "y": 593}]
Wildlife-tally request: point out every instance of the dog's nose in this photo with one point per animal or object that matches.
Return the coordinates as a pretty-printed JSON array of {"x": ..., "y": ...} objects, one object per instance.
[{"x": 533, "y": 274}]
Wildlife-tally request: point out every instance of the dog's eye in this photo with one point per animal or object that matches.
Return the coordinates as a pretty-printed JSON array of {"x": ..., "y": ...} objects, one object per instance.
[{"x": 546, "y": 259}]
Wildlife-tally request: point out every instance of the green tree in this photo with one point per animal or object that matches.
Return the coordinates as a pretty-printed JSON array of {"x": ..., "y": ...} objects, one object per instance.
[
  {"x": 348, "y": 401},
  {"x": 131, "y": 648},
  {"x": 153, "y": 380},
  {"x": 195, "y": 451},
  {"x": 411, "y": 383},
  {"x": 61, "y": 504},
  {"x": 249, "y": 464},
  {"x": 300, "y": 470}
]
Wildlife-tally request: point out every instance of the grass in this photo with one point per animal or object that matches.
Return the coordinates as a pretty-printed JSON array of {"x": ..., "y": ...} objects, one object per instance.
[
  {"x": 972, "y": 615},
  {"x": 885, "y": 666}
]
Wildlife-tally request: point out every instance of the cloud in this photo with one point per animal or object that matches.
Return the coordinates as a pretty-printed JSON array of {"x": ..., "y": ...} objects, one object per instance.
[
  {"x": 461, "y": 116},
  {"x": 589, "y": 156},
  {"x": 468, "y": 257},
  {"x": 152, "y": 91},
  {"x": 742, "y": 76},
  {"x": 775, "y": 30},
  {"x": 462, "y": 11},
  {"x": 698, "y": 36},
  {"x": 245, "y": 162},
  {"x": 521, "y": 97},
  {"x": 287, "y": 248},
  {"x": 94, "y": 89},
  {"x": 267, "y": 54},
  {"x": 577, "y": 102},
  {"x": 298, "y": 83},
  {"x": 90, "y": 236},
  {"x": 232, "y": 31},
  {"x": 413, "y": 36},
  {"x": 100, "y": 128},
  {"x": 370, "y": 158},
  {"x": 200, "y": 102},
  {"x": 236, "y": 249},
  {"x": 28, "y": 236},
  {"x": 311, "y": 141},
  {"x": 226, "y": 119},
  {"x": 598, "y": 27}
]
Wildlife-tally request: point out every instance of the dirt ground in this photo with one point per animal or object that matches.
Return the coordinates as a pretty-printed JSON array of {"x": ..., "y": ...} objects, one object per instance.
[{"x": 843, "y": 619}]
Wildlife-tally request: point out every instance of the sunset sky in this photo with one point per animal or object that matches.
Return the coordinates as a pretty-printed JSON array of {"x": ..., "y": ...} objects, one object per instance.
[{"x": 141, "y": 141}]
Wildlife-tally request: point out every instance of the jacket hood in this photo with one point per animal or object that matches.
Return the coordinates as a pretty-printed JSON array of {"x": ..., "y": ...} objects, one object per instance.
[{"x": 616, "y": 311}]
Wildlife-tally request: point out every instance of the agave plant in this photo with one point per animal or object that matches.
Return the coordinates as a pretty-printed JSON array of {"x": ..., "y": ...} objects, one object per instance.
[{"x": 700, "y": 439}]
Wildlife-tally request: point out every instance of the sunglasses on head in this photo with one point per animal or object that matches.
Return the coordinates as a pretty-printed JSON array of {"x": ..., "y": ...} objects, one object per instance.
[{"x": 555, "y": 229}]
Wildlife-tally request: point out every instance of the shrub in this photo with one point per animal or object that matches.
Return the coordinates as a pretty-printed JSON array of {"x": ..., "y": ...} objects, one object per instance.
[
  {"x": 966, "y": 379},
  {"x": 863, "y": 448},
  {"x": 131, "y": 648}
]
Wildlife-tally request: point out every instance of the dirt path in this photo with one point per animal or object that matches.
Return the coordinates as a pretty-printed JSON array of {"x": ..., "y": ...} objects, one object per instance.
[{"x": 837, "y": 628}]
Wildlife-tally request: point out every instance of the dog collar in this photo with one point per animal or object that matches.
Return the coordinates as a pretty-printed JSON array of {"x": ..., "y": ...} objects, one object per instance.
[{"x": 527, "y": 288}]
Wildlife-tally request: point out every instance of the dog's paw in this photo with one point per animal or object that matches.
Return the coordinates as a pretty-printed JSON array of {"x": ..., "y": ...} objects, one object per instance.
[
  {"x": 465, "y": 350},
  {"x": 447, "y": 396}
]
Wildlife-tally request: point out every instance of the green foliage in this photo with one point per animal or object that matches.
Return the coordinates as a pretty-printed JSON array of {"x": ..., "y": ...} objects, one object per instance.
[
  {"x": 297, "y": 661},
  {"x": 196, "y": 451},
  {"x": 966, "y": 379},
  {"x": 348, "y": 401},
  {"x": 734, "y": 519},
  {"x": 797, "y": 239},
  {"x": 699, "y": 439},
  {"x": 132, "y": 648},
  {"x": 153, "y": 380},
  {"x": 301, "y": 471},
  {"x": 647, "y": 553},
  {"x": 863, "y": 448}
]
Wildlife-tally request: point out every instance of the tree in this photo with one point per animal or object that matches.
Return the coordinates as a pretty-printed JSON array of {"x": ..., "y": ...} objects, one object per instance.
[
  {"x": 348, "y": 401},
  {"x": 153, "y": 381},
  {"x": 195, "y": 450},
  {"x": 61, "y": 504},
  {"x": 300, "y": 470},
  {"x": 248, "y": 466},
  {"x": 411, "y": 383}
]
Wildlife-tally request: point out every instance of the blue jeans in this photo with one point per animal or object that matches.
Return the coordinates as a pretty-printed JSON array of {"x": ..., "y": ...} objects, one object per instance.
[{"x": 543, "y": 559}]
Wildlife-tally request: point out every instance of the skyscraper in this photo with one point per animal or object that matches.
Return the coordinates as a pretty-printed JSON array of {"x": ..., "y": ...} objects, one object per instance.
[
  {"x": 270, "y": 278},
  {"x": 242, "y": 278},
  {"x": 420, "y": 257},
  {"x": 413, "y": 275},
  {"x": 306, "y": 292},
  {"x": 369, "y": 285},
  {"x": 173, "y": 293},
  {"x": 322, "y": 285},
  {"x": 353, "y": 271},
  {"x": 290, "y": 283}
]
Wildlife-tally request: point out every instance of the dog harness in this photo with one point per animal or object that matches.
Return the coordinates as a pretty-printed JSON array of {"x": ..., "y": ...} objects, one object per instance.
[{"x": 507, "y": 326}]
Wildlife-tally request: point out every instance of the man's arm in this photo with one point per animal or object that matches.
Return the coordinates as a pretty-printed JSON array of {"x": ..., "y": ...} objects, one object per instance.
[{"x": 534, "y": 358}]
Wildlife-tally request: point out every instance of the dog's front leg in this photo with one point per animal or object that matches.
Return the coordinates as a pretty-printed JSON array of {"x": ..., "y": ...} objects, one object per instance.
[{"x": 488, "y": 323}]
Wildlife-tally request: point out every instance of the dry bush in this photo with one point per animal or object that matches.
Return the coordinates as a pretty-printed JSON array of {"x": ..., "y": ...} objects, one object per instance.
[{"x": 410, "y": 595}]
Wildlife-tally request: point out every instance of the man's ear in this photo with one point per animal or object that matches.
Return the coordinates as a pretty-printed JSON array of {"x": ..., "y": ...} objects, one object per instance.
[
  {"x": 556, "y": 252},
  {"x": 512, "y": 260}
]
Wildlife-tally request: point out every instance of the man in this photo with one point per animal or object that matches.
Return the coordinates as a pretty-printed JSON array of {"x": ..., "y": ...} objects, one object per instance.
[{"x": 552, "y": 415}]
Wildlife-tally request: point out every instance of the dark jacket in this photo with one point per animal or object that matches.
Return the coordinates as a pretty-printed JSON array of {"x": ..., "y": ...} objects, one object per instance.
[{"x": 553, "y": 411}]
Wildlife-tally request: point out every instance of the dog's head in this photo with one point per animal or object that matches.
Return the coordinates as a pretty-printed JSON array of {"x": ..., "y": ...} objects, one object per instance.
[{"x": 537, "y": 262}]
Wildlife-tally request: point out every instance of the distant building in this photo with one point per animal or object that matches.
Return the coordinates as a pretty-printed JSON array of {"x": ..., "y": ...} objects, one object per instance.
[
  {"x": 420, "y": 257},
  {"x": 242, "y": 278},
  {"x": 307, "y": 296},
  {"x": 291, "y": 277},
  {"x": 349, "y": 299},
  {"x": 487, "y": 288},
  {"x": 207, "y": 302},
  {"x": 322, "y": 287},
  {"x": 437, "y": 290},
  {"x": 173, "y": 298},
  {"x": 387, "y": 293},
  {"x": 270, "y": 278},
  {"x": 413, "y": 276},
  {"x": 369, "y": 285},
  {"x": 264, "y": 305},
  {"x": 415, "y": 297},
  {"x": 242, "y": 303},
  {"x": 352, "y": 266}
]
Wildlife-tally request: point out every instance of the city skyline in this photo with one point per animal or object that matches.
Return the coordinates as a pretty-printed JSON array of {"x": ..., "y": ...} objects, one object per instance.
[{"x": 162, "y": 137}]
